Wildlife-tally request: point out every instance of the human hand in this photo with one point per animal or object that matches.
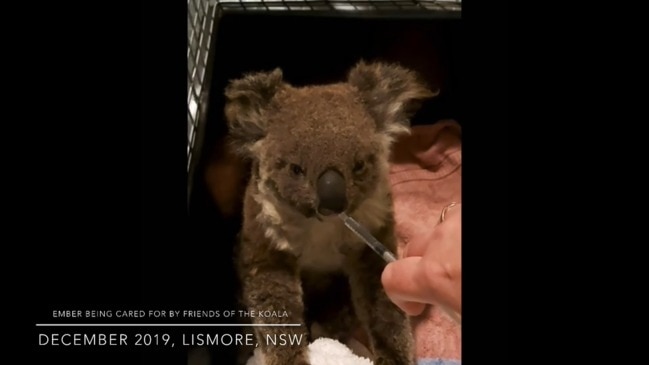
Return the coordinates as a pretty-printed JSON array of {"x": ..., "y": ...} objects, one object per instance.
[{"x": 431, "y": 270}]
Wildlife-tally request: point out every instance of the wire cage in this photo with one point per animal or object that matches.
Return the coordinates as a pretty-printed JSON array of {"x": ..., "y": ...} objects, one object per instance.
[
  {"x": 200, "y": 22},
  {"x": 227, "y": 38}
]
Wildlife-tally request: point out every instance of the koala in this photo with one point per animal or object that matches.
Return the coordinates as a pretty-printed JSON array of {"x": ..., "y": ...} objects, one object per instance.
[{"x": 314, "y": 152}]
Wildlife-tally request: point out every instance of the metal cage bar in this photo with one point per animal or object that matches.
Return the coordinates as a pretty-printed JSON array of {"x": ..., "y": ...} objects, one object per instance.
[{"x": 200, "y": 21}]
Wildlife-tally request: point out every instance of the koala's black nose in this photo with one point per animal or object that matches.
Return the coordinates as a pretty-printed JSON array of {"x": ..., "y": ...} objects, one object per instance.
[{"x": 332, "y": 193}]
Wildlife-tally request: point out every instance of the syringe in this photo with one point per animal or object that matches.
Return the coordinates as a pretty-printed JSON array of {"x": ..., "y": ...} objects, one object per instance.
[{"x": 367, "y": 237}]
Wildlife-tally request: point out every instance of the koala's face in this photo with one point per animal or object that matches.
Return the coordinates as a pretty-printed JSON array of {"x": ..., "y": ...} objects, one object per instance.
[
  {"x": 322, "y": 149},
  {"x": 322, "y": 152}
]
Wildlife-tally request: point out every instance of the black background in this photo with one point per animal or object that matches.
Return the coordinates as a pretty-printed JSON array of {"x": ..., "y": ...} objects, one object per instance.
[{"x": 100, "y": 213}]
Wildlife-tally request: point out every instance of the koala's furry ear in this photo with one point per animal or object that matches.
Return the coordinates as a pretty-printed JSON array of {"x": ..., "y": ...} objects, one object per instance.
[
  {"x": 247, "y": 98},
  {"x": 391, "y": 93}
]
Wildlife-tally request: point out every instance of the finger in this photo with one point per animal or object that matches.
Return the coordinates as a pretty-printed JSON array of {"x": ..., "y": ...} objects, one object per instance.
[
  {"x": 419, "y": 245},
  {"x": 404, "y": 281},
  {"x": 451, "y": 210},
  {"x": 412, "y": 280},
  {"x": 444, "y": 287},
  {"x": 388, "y": 280},
  {"x": 411, "y": 308}
]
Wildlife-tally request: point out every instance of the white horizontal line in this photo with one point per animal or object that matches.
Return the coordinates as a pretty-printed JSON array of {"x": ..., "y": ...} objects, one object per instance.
[{"x": 165, "y": 325}]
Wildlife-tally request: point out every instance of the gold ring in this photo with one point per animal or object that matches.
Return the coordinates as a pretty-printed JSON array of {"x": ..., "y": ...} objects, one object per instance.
[{"x": 443, "y": 215}]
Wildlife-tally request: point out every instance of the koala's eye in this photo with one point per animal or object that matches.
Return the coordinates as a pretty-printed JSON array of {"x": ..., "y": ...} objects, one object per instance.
[
  {"x": 297, "y": 170},
  {"x": 359, "y": 167}
]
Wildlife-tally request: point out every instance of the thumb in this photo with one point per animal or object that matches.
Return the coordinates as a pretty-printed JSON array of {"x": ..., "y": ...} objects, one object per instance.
[{"x": 403, "y": 284}]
